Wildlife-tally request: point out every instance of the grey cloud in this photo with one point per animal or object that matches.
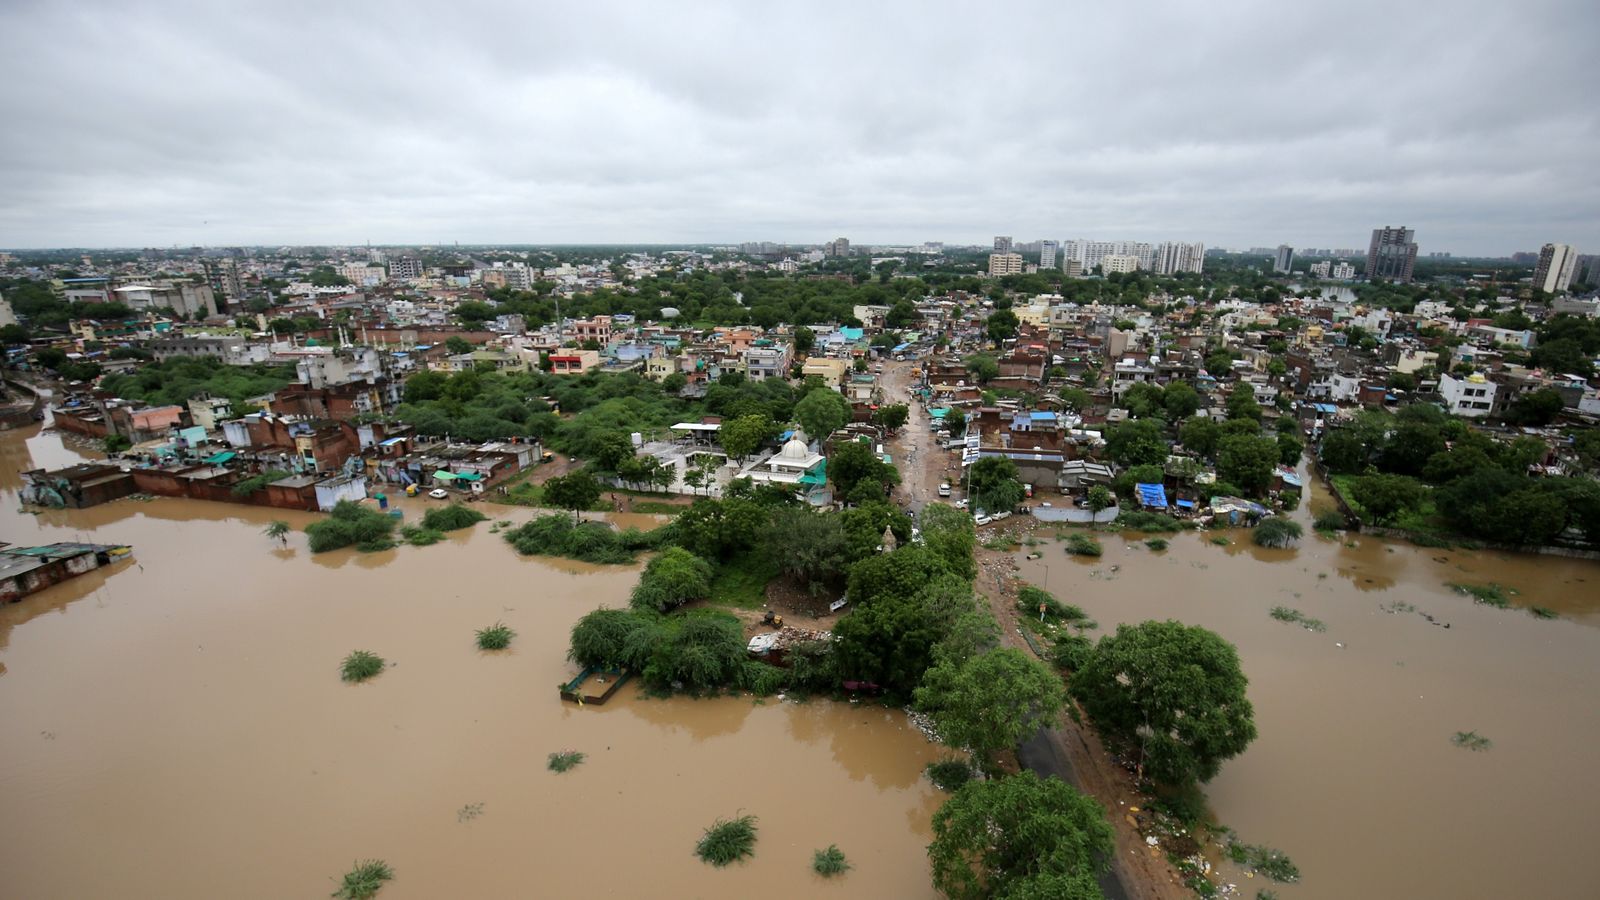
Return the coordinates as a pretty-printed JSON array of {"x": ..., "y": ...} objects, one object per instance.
[{"x": 1237, "y": 124}]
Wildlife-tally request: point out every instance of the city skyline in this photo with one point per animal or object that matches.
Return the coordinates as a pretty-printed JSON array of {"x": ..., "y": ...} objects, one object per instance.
[{"x": 177, "y": 123}]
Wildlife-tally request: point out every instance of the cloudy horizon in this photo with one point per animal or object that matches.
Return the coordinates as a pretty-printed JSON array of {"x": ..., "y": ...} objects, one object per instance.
[{"x": 1239, "y": 124}]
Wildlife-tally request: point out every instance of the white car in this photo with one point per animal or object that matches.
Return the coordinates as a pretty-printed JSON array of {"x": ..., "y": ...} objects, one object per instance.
[
  {"x": 438, "y": 493},
  {"x": 944, "y": 489},
  {"x": 983, "y": 519},
  {"x": 962, "y": 503}
]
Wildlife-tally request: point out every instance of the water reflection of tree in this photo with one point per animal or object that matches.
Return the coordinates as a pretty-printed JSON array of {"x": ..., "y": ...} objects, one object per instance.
[
  {"x": 699, "y": 718},
  {"x": 855, "y": 735}
]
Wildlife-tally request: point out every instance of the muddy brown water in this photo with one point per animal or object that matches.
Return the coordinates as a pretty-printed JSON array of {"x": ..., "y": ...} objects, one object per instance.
[
  {"x": 1354, "y": 774},
  {"x": 175, "y": 727}
]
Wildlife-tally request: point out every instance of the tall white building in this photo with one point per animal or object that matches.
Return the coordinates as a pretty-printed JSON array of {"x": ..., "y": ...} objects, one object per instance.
[
  {"x": 1119, "y": 262},
  {"x": 1472, "y": 396},
  {"x": 1047, "y": 254},
  {"x": 1553, "y": 274},
  {"x": 1283, "y": 259},
  {"x": 363, "y": 275},
  {"x": 1002, "y": 244},
  {"x": 1172, "y": 257},
  {"x": 1093, "y": 253},
  {"x": 1005, "y": 264},
  {"x": 1343, "y": 271},
  {"x": 405, "y": 268}
]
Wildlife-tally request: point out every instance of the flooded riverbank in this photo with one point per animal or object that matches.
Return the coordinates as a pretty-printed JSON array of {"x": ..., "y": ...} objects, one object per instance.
[
  {"x": 178, "y": 724},
  {"x": 1354, "y": 774}
]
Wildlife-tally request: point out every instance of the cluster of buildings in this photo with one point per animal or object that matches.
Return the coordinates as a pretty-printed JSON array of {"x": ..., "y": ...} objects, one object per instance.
[{"x": 1081, "y": 257}]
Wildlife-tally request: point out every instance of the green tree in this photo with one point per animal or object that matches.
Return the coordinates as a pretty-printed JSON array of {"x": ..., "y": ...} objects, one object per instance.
[
  {"x": 995, "y": 483},
  {"x": 1143, "y": 399},
  {"x": 983, "y": 368},
  {"x": 1409, "y": 447},
  {"x": 804, "y": 340},
  {"x": 1342, "y": 452},
  {"x": 1537, "y": 408},
  {"x": 1387, "y": 497},
  {"x": 1001, "y": 325},
  {"x": 1100, "y": 498},
  {"x": 1180, "y": 400},
  {"x": 1201, "y": 435},
  {"x": 1174, "y": 693},
  {"x": 1138, "y": 442},
  {"x": 989, "y": 702},
  {"x": 1001, "y": 838},
  {"x": 1290, "y": 449},
  {"x": 809, "y": 545},
  {"x": 1219, "y": 363},
  {"x": 674, "y": 383},
  {"x": 853, "y": 462},
  {"x": 115, "y": 443},
  {"x": 740, "y": 437},
  {"x": 278, "y": 530},
  {"x": 821, "y": 413},
  {"x": 576, "y": 491},
  {"x": 1077, "y": 399},
  {"x": 672, "y": 578},
  {"x": 949, "y": 534},
  {"x": 457, "y": 344},
  {"x": 1242, "y": 403},
  {"x": 892, "y": 417}
]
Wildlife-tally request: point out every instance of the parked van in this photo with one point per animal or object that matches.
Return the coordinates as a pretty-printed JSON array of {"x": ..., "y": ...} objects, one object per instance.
[{"x": 944, "y": 489}]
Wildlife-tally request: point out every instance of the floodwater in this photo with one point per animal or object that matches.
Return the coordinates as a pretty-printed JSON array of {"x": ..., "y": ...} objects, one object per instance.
[
  {"x": 1354, "y": 774},
  {"x": 175, "y": 727}
]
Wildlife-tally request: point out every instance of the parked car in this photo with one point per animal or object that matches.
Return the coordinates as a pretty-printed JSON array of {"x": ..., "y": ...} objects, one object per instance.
[
  {"x": 944, "y": 489},
  {"x": 438, "y": 493},
  {"x": 962, "y": 503}
]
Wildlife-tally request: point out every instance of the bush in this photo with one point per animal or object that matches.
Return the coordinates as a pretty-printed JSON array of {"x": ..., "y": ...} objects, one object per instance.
[
  {"x": 1029, "y": 599},
  {"x": 451, "y": 518},
  {"x": 671, "y": 579},
  {"x": 829, "y": 862},
  {"x": 727, "y": 841},
  {"x": 1070, "y": 652},
  {"x": 495, "y": 637},
  {"x": 351, "y": 523},
  {"x": 418, "y": 536},
  {"x": 563, "y": 761},
  {"x": 1329, "y": 520},
  {"x": 698, "y": 651},
  {"x": 596, "y": 542},
  {"x": 1274, "y": 864},
  {"x": 363, "y": 881},
  {"x": 1295, "y": 616},
  {"x": 1142, "y": 520},
  {"x": 949, "y": 775},
  {"x": 1471, "y": 740},
  {"x": 256, "y": 482},
  {"x": 761, "y": 679},
  {"x": 1275, "y": 531},
  {"x": 1487, "y": 594},
  {"x": 1083, "y": 545},
  {"x": 1156, "y": 543},
  {"x": 601, "y": 638},
  {"x": 360, "y": 665}
]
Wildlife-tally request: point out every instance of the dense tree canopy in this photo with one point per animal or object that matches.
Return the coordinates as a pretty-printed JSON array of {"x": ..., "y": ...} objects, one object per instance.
[
  {"x": 1173, "y": 693},
  {"x": 1022, "y": 836}
]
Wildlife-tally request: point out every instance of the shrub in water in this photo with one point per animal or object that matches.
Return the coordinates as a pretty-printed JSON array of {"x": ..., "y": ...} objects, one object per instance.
[
  {"x": 1083, "y": 545},
  {"x": 1471, "y": 740},
  {"x": 495, "y": 637},
  {"x": 420, "y": 537},
  {"x": 1275, "y": 532},
  {"x": 451, "y": 518},
  {"x": 351, "y": 523},
  {"x": 363, "y": 881},
  {"x": 700, "y": 651},
  {"x": 565, "y": 760},
  {"x": 1487, "y": 594},
  {"x": 1142, "y": 520},
  {"x": 1329, "y": 520},
  {"x": 1156, "y": 543},
  {"x": 829, "y": 862},
  {"x": 727, "y": 841},
  {"x": 360, "y": 665},
  {"x": 761, "y": 679},
  {"x": 949, "y": 775},
  {"x": 674, "y": 577},
  {"x": 601, "y": 637},
  {"x": 596, "y": 542}
]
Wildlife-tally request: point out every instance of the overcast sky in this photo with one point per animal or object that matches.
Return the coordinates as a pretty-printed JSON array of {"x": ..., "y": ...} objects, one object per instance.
[{"x": 156, "y": 123}]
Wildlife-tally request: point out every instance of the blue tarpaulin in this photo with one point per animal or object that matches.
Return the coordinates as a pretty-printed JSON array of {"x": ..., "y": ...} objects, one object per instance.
[{"x": 1152, "y": 495}]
